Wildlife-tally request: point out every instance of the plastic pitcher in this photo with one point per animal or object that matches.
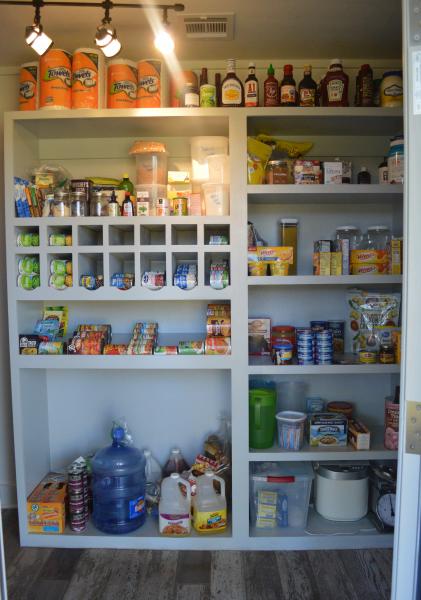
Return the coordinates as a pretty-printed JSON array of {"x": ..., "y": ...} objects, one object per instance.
[
  {"x": 210, "y": 508},
  {"x": 262, "y": 410},
  {"x": 174, "y": 506},
  {"x": 118, "y": 486}
]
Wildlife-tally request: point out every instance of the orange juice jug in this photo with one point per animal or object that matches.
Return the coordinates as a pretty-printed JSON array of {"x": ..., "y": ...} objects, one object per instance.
[
  {"x": 88, "y": 71},
  {"x": 28, "y": 86},
  {"x": 55, "y": 75},
  {"x": 121, "y": 83}
]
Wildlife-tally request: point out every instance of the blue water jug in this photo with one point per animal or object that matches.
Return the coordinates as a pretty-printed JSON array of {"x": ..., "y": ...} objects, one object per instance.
[{"x": 118, "y": 486}]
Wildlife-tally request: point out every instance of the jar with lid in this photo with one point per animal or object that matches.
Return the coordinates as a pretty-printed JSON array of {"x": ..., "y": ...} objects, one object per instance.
[
  {"x": 378, "y": 237},
  {"x": 79, "y": 204},
  {"x": 61, "y": 204},
  {"x": 391, "y": 89},
  {"x": 191, "y": 95},
  {"x": 396, "y": 160},
  {"x": 289, "y": 237},
  {"x": 99, "y": 204},
  {"x": 279, "y": 171},
  {"x": 347, "y": 237}
]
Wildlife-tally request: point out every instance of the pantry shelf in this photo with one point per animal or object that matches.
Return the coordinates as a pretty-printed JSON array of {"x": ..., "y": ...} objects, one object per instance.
[
  {"x": 325, "y": 194},
  {"x": 351, "y": 280},
  {"x": 377, "y": 452},
  {"x": 320, "y": 532},
  {"x": 263, "y": 366},
  {"x": 155, "y": 362},
  {"x": 113, "y": 294}
]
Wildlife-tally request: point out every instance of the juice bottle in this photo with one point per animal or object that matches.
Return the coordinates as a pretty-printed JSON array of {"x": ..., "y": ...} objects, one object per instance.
[
  {"x": 232, "y": 91},
  {"x": 307, "y": 89},
  {"x": 335, "y": 85},
  {"x": 175, "y": 506},
  {"x": 251, "y": 87},
  {"x": 288, "y": 92},
  {"x": 175, "y": 463},
  {"x": 271, "y": 89},
  {"x": 209, "y": 508},
  {"x": 126, "y": 184}
]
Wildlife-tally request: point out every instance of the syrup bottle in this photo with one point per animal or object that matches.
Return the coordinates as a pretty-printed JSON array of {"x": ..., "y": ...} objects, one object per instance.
[{"x": 307, "y": 89}]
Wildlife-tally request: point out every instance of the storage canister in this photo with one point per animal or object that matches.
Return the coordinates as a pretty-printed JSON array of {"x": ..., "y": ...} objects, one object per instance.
[
  {"x": 342, "y": 491},
  {"x": 151, "y": 162},
  {"x": 61, "y": 204},
  {"x": 289, "y": 237},
  {"x": 291, "y": 429},
  {"x": 78, "y": 204}
]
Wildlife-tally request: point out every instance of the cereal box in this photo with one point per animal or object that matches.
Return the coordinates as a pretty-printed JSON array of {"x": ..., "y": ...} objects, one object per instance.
[
  {"x": 328, "y": 429},
  {"x": 45, "y": 506}
]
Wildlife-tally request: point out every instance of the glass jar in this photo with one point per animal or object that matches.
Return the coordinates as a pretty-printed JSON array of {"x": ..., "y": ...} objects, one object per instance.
[
  {"x": 61, "y": 204},
  {"x": 279, "y": 171},
  {"x": 378, "y": 237},
  {"x": 350, "y": 233},
  {"x": 99, "y": 204},
  {"x": 79, "y": 205},
  {"x": 289, "y": 237},
  {"x": 391, "y": 89}
]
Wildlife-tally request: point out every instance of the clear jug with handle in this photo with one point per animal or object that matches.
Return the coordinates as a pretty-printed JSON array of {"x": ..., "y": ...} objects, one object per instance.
[
  {"x": 175, "y": 506},
  {"x": 209, "y": 507}
]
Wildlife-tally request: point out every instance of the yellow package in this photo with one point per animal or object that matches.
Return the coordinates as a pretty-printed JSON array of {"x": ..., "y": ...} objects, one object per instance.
[
  {"x": 321, "y": 263},
  {"x": 210, "y": 522},
  {"x": 257, "y": 156},
  {"x": 293, "y": 149},
  {"x": 396, "y": 256},
  {"x": 336, "y": 263},
  {"x": 274, "y": 254}
]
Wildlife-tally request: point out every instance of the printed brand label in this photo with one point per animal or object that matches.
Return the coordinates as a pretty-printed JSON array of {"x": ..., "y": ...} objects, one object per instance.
[
  {"x": 191, "y": 99},
  {"x": 250, "y": 91},
  {"x": 149, "y": 84},
  {"x": 61, "y": 73},
  {"x": 174, "y": 524},
  {"x": 287, "y": 94},
  {"x": 126, "y": 87},
  {"x": 231, "y": 93},
  {"x": 86, "y": 77},
  {"x": 27, "y": 89},
  {"x": 208, "y": 522},
  {"x": 122, "y": 86},
  {"x": 393, "y": 90},
  {"x": 271, "y": 94},
  {"x": 335, "y": 90},
  {"x": 307, "y": 97},
  {"x": 137, "y": 507},
  {"x": 208, "y": 95}
]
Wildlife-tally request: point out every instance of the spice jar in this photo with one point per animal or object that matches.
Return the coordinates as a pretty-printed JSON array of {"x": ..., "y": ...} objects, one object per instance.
[
  {"x": 279, "y": 171},
  {"x": 78, "y": 204},
  {"x": 61, "y": 204},
  {"x": 99, "y": 204},
  {"x": 191, "y": 95},
  {"x": 387, "y": 354}
]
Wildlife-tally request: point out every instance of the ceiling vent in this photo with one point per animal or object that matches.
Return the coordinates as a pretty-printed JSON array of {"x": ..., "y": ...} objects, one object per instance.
[{"x": 209, "y": 26}]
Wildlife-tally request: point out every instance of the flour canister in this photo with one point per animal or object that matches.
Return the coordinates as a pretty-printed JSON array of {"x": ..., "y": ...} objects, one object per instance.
[
  {"x": 342, "y": 491},
  {"x": 121, "y": 83},
  {"x": 55, "y": 75},
  {"x": 152, "y": 84},
  {"x": 28, "y": 86},
  {"x": 87, "y": 78}
]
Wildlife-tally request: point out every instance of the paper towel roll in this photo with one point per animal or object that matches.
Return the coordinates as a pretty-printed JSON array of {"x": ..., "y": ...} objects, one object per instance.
[
  {"x": 29, "y": 86},
  {"x": 55, "y": 76},
  {"x": 88, "y": 78},
  {"x": 121, "y": 83},
  {"x": 152, "y": 86}
]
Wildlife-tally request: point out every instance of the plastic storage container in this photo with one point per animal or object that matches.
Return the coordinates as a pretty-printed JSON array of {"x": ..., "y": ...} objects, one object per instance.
[
  {"x": 217, "y": 199},
  {"x": 291, "y": 482},
  {"x": 151, "y": 162},
  {"x": 201, "y": 148},
  {"x": 379, "y": 237},
  {"x": 291, "y": 426},
  {"x": 118, "y": 486},
  {"x": 262, "y": 407},
  {"x": 219, "y": 168},
  {"x": 291, "y": 396},
  {"x": 342, "y": 491}
]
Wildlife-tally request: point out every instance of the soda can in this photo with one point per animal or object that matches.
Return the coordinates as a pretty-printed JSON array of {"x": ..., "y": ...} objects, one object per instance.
[
  {"x": 28, "y": 282},
  {"x": 28, "y": 265},
  {"x": 27, "y": 239}
]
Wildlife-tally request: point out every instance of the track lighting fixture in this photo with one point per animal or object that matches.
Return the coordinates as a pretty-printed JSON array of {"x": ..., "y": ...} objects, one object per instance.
[
  {"x": 163, "y": 40},
  {"x": 106, "y": 37},
  {"x": 34, "y": 35}
]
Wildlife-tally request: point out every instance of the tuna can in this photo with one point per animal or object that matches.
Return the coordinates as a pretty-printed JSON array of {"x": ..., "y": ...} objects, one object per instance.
[
  {"x": 338, "y": 331},
  {"x": 305, "y": 362},
  {"x": 319, "y": 325},
  {"x": 368, "y": 358}
]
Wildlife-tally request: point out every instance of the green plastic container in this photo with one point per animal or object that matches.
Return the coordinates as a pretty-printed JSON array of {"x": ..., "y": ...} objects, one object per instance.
[{"x": 262, "y": 423}]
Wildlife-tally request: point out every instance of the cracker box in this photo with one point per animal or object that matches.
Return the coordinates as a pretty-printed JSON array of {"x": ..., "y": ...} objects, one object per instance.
[
  {"x": 45, "y": 506},
  {"x": 321, "y": 263},
  {"x": 328, "y": 430},
  {"x": 332, "y": 172},
  {"x": 259, "y": 337},
  {"x": 29, "y": 344},
  {"x": 273, "y": 254},
  {"x": 307, "y": 172},
  {"x": 358, "y": 435}
]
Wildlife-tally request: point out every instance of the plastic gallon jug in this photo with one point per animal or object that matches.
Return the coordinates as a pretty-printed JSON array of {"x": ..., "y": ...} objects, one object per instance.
[
  {"x": 118, "y": 486},
  {"x": 210, "y": 508},
  {"x": 262, "y": 409},
  {"x": 175, "y": 506}
]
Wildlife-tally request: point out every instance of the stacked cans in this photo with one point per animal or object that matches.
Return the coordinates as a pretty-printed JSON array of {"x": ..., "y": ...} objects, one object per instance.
[
  {"x": 78, "y": 493},
  {"x": 323, "y": 348},
  {"x": 314, "y": 345},
  {"x": 305, "y": 346}
]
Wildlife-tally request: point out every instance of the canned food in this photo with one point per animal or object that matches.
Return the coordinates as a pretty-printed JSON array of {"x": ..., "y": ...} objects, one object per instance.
[
  {"x": 60, "y": 239},
  {"x": 28, "y": 282},
  {"x": 58, "y": 282},
  {"x": 163, "y": 207},
  {"x": 282, "y": 352},
  {"x": 61, "y": 266},
  {"x": 29, "y": 265},
  {"x": 27, "y": 239},
  {"x": 180, "y": 207},
  {"x": 338, "y": 331},
  {"x": 367, "y": 357},
  {"x": 191, "y": 348},
  {"x": 319, "y": 324}
]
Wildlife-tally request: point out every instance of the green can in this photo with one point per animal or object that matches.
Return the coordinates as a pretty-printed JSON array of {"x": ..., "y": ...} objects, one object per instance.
[
  {"x": 60, "y": 239},
  {"x": 61, "y": 267},
  {"x": 28, "y": 265},
  {"x": 28, "y": 282},
  {"x": 27, "y": 239},
  {"x": 57, "y": 281}
]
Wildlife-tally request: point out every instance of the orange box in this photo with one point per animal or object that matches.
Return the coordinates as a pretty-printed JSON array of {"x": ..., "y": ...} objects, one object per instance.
[
  {"x": 396, "y": 256},
  {"x": 369, "y": 268},
  {"x": 46, "y": 505},
  {"x": 271, "y": 254},
  {"x": 372, "y": 257}
]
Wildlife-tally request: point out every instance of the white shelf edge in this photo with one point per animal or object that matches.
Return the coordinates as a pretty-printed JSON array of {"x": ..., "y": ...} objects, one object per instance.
[
  {"x": 149, "y": 362},
  {"x": 170, "y": 293},
  {"x": 324, "y": 280},
  {"x": 360, "y": 369},
  {"x": 327, "y": 189}
]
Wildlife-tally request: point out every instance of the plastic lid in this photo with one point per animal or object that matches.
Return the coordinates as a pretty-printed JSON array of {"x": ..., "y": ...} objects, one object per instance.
[
  {"x": 392, "y": 73},
  {"x": 288, "y": 68},
  {"x": 118, "y": 434},
  {"x": 343, "y": 472},
  {"x": 125, "y": 175},
  {"x": 146, "y": 146},
  {"x": 378, "y": 228},
  {"x": 291, "y": 416},
  {"x": 347, "y": 228},
  {"x": 335, "y": 61},
  {"x": 289, "y": 221},
  {"x": 175, "y": 476},
  {"x": 271, "y": 70}
]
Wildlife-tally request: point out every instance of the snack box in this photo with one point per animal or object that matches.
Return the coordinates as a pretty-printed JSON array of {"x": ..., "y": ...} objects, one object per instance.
[
  {"x": 328, "y": 430},
  {"x": 259, "y": 337},
  {"x": 396, "y": 256},
  {"x": 358, "y": 435},
  {"x": 337, "y": 172},
  {"x": 322, "y": 263},
  {"x": 274, "y": 254},
  {"x": 46, "y": 505},
  {"x": 29, "y": 344},
  {"x": 307, "y": 172},
  {"x": 371, "y": 257},
  {"x": 372, "y": 269}
]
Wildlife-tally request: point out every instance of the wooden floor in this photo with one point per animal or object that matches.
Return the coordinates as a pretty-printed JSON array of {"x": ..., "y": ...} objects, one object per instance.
[{"x": 57, "y": 574}]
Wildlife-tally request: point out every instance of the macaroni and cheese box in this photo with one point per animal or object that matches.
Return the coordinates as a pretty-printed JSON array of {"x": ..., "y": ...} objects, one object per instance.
[
  {"x": 45, "y": 506},
  {"x": 328, "y": 429}
]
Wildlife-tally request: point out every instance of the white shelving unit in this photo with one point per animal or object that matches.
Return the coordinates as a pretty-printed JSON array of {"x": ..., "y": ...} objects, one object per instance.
[{"x": 63, "y": 405}]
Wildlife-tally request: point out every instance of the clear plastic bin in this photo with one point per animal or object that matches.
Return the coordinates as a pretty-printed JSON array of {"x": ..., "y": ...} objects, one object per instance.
[
  {"x": 201, "y": 148},
  {"x": 219, "y": 168},
  {"x": 291, "y": 483},
  {"x": 151, "y": 162},
  {"x": 217, "y": 199}
]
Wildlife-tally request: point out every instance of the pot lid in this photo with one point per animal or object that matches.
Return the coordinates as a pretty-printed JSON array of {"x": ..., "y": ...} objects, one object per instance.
[{"x": 343, "y": 472}]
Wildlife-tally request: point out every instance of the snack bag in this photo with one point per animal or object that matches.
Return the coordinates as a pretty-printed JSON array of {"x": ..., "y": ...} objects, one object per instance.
[{"x": 257, "y": 156}]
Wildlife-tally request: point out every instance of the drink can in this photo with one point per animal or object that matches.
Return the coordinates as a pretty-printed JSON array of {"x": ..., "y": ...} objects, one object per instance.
[
  {"x": 61, "y": 267},
  {"x": 27, "y": 239}
]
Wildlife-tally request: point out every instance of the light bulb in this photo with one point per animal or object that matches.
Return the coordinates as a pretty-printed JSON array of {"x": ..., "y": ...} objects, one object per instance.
[
  {"x": 103, "y": 36},
  {"x": 164, "y": 42},
  {"x": 112, "y": 48},
  {"x": 37, "y": 39}
]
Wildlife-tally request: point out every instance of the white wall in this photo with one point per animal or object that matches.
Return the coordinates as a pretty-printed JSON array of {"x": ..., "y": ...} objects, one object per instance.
[{"x": 8, "y": 101}]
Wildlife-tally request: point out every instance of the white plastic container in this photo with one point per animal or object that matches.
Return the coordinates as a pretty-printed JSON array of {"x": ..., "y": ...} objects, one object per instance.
[
  {"x": 219, "y": 168},
  {"x": 342, "y": 491},
  {"x": 201, "y": 148},
  {"x": 217, "y": 199},
  {"x": 291, "y": 429},
  {"x": 151, "y": 162},
  {"x": 209, "y": 508},
  {"x": 174, "y": 507}
]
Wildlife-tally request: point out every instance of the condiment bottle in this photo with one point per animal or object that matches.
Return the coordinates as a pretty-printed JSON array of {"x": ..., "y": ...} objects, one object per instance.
[
  {"x": 251, "y": 87},
  {"x": 175, "y": 463},
  {"x": 335, "y": 85},
  {"x": 207, "y": 91},
  {"x": 218, "y": 88},
  {"x": 113, "y": 206},
  {"x": 127, "y": 209},
  {"x": 191, "y": 95},
  {"x": 288, "y": 92},
  {"x": 232, "y": 91},
  {"x": 383, "y": 171},
  {"x": 307, "y": 89},
  {"x": 271, "y": 89},
  {"x": 364, "y": 91},
  {"x": 126, "y": 184},
  {"x": 364, "y": 176}
]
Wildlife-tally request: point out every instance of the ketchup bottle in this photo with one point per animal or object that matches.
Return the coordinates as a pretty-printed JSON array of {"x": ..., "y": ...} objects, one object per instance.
[
  {"x": 335, "y": 85},
  {"x": 271, "y": 89}
]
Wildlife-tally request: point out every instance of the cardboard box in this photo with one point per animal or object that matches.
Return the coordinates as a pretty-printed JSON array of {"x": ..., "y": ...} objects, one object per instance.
[
  {"x": 336, "y": 263},
  {"x": 321, "y": 263},
  {"x": 259, "y": 337},
  {"x": 307, "y": 172},
  {"x": 332, "y": 172},
  {"x": 396, "y": 256},
  {"x": 328, "y": 430},
  {"x": 45, "y": 506},
  {"x": 29, "y": 344},
  {"x": 358, "y": 435},
  {"x": 271, "y": 254}
]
